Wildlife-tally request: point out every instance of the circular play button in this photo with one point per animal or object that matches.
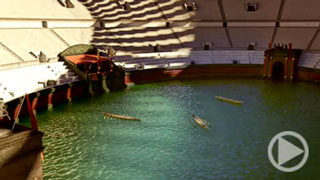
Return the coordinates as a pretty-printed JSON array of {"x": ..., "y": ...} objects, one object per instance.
[{"x": 288, "y": 151}]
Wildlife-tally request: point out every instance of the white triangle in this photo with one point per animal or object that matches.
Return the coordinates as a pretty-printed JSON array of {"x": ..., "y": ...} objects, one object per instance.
[{"x": 287, "y": 151}]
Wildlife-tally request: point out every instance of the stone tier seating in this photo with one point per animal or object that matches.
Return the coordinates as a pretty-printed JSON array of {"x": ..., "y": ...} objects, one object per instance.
[
  {"x": 183, "y": 59},
  {"x": 309, "y": 60},
  {"x": 14, "y": 83}
]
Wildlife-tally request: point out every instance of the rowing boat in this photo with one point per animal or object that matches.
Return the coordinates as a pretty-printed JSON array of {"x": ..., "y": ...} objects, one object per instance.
[
  {"x": 229, "y": 100},
  {"x": 199, "y": 121},
  {"x": 120, "y": 117}
]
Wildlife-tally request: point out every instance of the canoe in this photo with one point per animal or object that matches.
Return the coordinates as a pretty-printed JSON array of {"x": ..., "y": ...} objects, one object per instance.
[
  {"x": 200, "y": 121},
  {"x": 120, "y": 117},
  {"x": 229, "y": 100}
]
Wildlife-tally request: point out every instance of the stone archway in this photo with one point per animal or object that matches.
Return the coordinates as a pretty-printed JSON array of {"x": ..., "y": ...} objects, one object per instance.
[{"x": 277, "y": 70}]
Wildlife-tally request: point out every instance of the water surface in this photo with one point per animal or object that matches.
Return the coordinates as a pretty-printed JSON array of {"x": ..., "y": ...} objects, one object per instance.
[{"x": 81, "y": 144}]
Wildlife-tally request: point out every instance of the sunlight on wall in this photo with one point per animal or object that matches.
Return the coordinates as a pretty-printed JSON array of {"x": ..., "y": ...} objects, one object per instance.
[{"x": 144, "y": 25}]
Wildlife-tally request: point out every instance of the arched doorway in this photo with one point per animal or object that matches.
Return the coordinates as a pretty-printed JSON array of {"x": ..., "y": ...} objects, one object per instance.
[{"x": 278, "y": 71}]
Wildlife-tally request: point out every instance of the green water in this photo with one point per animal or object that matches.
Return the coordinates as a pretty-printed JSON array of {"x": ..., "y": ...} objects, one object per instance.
[{"x": 81, "y": 144}]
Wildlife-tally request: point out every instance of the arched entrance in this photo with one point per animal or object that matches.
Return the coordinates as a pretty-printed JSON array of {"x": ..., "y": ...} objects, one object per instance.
[{"x": 278, "y": 71}]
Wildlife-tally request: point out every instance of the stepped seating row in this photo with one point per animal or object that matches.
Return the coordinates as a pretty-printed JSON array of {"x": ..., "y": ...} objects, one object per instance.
[
  {"x": 309, "y": 60},
  {"x": 15, "y": 83},
  {"x": 6, "y": 57},
  {"x": 43, "y": 9},
  {"x": 182, "y": 59},
  {"x": 50, "y": 41},
  {"x": 173, "y": 59}
]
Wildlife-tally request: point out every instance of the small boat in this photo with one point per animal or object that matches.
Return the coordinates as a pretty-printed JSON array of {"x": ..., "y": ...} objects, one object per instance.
[
  {"x": 120, "y": 117},
  {"x": 229, "y": 100},
  {"x": 200, "y": 121}
]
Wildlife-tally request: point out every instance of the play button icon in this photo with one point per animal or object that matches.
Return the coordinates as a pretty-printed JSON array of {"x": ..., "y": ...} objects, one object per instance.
[{"x": 288, "y": 151}]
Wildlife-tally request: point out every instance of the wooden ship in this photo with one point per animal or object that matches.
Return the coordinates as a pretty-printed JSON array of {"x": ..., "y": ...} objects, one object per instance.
[{"x": 100, "y": 73}]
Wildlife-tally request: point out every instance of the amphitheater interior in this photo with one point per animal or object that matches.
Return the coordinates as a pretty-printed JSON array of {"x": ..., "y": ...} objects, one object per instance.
[{"x": 148, "y": 33}]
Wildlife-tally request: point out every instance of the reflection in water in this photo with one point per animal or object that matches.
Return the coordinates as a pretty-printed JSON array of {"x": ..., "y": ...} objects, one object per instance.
[{"x": 81, "y": 144}]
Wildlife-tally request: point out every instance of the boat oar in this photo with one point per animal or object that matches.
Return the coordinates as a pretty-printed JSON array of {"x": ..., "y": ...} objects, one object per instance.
[
  {"x": 117, "y": 116},
  {"x": 193, "y": 123},
  {"x": 208, "y": 124}
]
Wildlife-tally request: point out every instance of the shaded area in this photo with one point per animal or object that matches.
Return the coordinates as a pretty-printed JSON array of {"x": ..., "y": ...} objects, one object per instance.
[
  {"x": 194, "y": 71},
  {"x": 20, "y": 151},
  {"x": 137, "y": 38},
  {"x": 277, "y": 71}
]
